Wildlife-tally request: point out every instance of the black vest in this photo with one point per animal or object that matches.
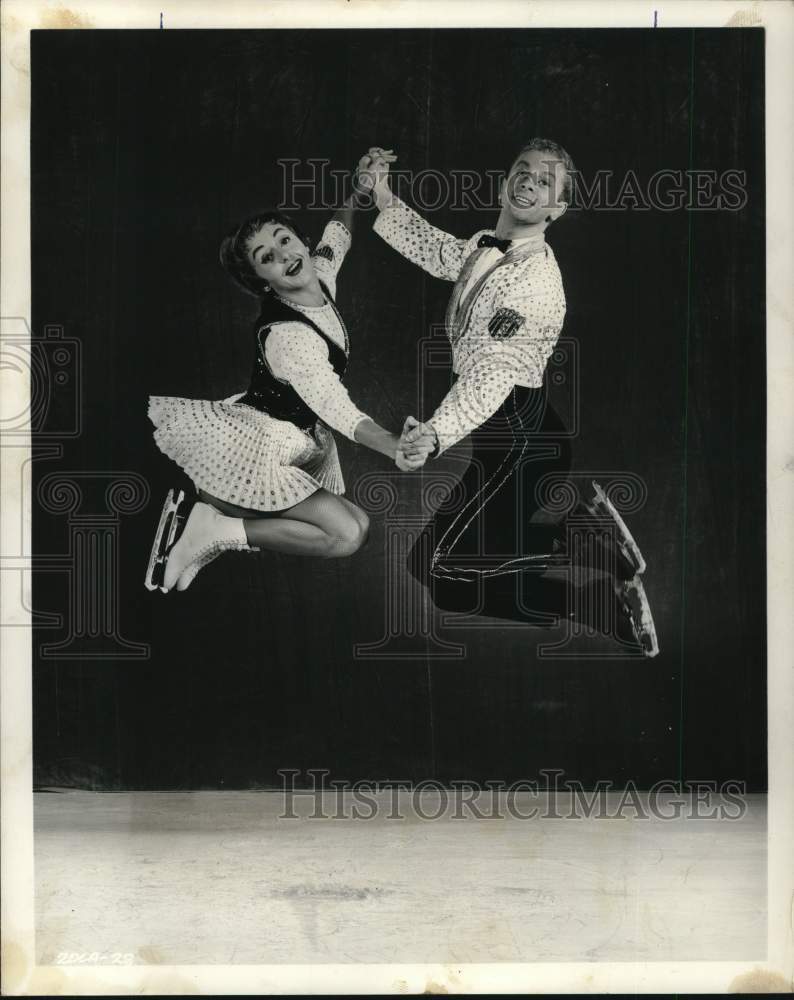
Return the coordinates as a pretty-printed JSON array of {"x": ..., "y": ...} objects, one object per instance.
[{"x": 270, "y": 394}]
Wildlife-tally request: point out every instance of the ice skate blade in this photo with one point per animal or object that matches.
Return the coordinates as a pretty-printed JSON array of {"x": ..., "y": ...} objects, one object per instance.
[
  {"x": 639, "y": 610},
  {"x": 625, "y": 540},
  {"x": 164, "y": 540}
]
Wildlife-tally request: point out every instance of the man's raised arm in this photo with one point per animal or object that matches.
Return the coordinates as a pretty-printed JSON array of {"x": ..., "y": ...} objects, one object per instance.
[{"x": 437, "y": 252}]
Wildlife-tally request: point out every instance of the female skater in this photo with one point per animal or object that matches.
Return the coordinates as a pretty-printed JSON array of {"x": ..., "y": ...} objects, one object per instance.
[{"x": 265, "y": 463}]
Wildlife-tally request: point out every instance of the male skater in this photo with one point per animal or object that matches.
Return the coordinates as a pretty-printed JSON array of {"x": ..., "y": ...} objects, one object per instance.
[{"x": 496, "y": 553}]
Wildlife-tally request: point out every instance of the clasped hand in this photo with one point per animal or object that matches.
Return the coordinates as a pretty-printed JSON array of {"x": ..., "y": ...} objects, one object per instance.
[
  {"x": 371, "y": 178},
  {"x": 417, "y": 441}
]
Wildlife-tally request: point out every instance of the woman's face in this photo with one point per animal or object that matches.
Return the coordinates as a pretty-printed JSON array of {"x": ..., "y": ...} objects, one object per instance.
[{"x": 280, "y": 259}]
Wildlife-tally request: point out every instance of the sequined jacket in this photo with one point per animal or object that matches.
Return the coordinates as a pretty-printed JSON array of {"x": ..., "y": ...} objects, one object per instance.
[{"x": 502, "y": 326}]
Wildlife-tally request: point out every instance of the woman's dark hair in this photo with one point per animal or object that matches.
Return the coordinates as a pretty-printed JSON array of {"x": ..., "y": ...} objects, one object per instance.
[{"x": 234, "y": 250}]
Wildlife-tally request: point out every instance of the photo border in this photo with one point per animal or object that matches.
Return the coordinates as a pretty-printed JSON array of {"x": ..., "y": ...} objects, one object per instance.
[{"x": 21, "y": 976}]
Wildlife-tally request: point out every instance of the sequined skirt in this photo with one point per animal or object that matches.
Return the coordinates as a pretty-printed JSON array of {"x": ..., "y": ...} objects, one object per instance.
[{"x": 244, "y": 456}]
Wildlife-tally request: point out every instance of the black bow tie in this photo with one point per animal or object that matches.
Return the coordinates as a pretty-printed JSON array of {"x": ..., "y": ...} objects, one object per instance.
[{"x": 492, "y": 241}]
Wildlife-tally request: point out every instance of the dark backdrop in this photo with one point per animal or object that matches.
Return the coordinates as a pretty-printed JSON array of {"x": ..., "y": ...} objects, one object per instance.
[{"x": 147, "y": 146}]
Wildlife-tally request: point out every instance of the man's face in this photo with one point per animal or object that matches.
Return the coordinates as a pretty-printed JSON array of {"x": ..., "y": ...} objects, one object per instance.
[{"x": 531, "y": 191}]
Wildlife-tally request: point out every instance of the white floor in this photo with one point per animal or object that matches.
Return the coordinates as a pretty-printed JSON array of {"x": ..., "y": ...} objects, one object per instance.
[{"x": 217, "y": 877}]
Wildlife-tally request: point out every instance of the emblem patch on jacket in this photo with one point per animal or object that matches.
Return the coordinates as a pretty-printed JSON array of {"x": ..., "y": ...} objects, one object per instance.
[
  {"x": 505, "y": 323},
  {"x": 324, "y": 251}
]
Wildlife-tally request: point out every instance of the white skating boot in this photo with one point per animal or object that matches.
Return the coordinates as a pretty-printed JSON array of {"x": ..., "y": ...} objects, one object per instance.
[{"x": 206, "y": 534}]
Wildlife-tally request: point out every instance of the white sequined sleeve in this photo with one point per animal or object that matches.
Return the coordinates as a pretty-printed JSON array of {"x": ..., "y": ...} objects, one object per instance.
[
  {"x": 407, "y": 232},
  {"x": 512, "y": 349},
  {"x": 297, "y": 355},
  {"x": 329, "y": 253},
  {"x": 477, "y": 394}
]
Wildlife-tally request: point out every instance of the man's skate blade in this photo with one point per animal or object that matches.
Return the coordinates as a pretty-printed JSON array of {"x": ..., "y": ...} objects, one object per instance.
[
  {"x": 163, "y": 541},
  {"x": 645, "y": 628},
  {"x": 648, "y": 640},
  {"x": 625, "y": 540}
]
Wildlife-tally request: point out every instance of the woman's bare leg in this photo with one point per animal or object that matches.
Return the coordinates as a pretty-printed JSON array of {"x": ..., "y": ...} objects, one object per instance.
[{"x": 323, "y": 525}]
